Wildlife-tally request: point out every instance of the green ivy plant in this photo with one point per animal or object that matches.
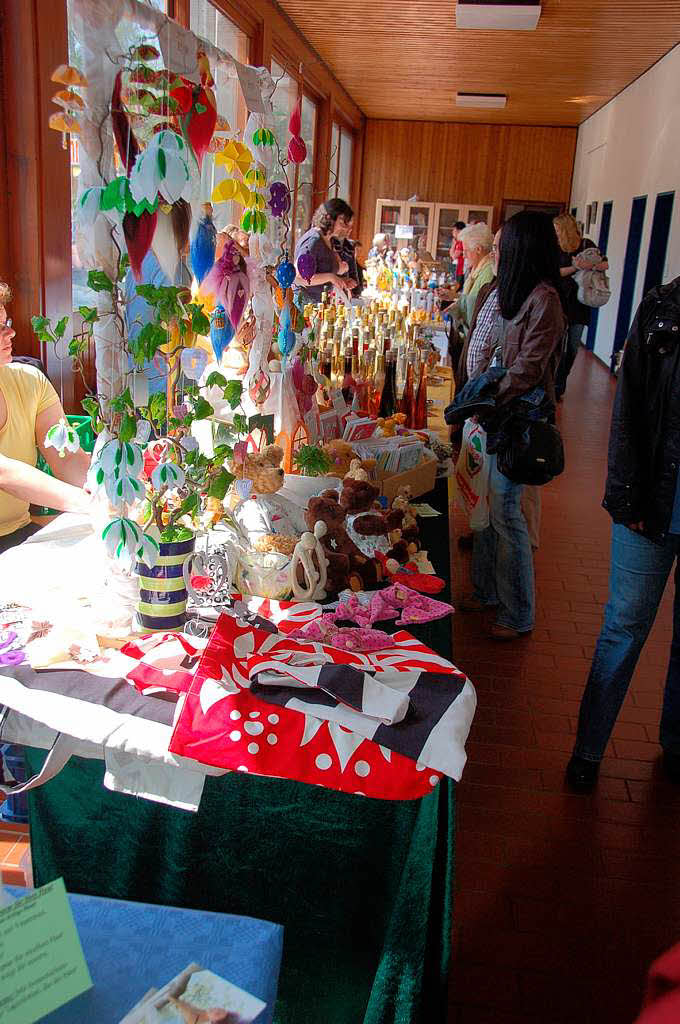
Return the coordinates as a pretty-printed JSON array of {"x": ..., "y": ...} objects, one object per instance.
[{"x": 312, "y": 461}]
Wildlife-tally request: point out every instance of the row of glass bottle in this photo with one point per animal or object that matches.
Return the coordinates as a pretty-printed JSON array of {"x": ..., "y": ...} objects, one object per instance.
[{"x": 374, "y": 357}]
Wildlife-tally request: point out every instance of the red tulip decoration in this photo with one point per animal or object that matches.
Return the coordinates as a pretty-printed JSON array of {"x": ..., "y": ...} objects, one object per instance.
[
  {"x": 197, "y": 115},
  {"x": 297, "y": 150}
]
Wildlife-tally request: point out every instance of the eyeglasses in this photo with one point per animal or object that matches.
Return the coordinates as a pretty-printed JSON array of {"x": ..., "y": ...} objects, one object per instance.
[{"x": 494, "y": 248}]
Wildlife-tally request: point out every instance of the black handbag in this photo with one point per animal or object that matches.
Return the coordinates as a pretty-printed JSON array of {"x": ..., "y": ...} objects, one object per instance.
[{"x": 530, "y": 451}]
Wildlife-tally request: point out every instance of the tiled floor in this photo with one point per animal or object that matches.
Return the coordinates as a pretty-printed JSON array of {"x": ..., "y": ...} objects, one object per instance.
[{"x": 562, "y": 900}]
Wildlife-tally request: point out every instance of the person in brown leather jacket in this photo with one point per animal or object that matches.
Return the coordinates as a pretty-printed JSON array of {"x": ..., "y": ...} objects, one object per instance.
[{"x": 529, "y": 345}]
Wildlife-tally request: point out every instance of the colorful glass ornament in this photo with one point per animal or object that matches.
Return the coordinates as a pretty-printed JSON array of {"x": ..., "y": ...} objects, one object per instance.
[
  {"x": 263, "y": 137},
  {"x": 259, "y": 387},
  {"x": 285, "y": 273},
  {"x": 279, "y": 198},
  {"x": 198, "y": 115},
  {"x": 221, "y": 332},
  {"x": 255, "y": 177},
  {"x": 297, "y": 150},
  {"x": 232, "y": 189},
  {"x": 254, "y": 222},
  {"x": 235, "y": 156},
  {"x": 202, "y": 251},
  {"x": 306, "y": 265}
]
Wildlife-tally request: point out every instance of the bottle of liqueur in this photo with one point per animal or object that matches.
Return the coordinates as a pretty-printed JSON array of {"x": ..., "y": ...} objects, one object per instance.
[
  {"x": 388, "y": 398},
  {"x": 377, "y": 384},
  {"x": 407, "y": 404},
  {"x": 420, "y": 405},
  {"x": 348, "y": 377}
]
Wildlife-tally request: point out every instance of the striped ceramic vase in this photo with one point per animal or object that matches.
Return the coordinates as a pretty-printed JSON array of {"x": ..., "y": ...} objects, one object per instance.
[{"x": 162, "y": 594}]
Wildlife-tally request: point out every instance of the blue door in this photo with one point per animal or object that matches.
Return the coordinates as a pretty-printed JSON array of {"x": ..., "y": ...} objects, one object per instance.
[
  {"x": 658, "y": 242},
  {"x": 628, "y": 278}
]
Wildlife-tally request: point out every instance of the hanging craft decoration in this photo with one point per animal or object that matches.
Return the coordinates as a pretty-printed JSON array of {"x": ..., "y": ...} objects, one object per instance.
[
  {"x": 138, "y": 233},
  {"x": 63, "y": 438},
  {"x": 221, "y": 332},
  {"x": 198, "y": 114},
  {"x": 193, "y": 362},
  {"x": 65, "y": 121},
  {"x": 306, "y": 265},
  {"x": 261, "y": 140},
  {"x": 254, "y": 221},
  {"x": 285, "y": 337},
  {"x": 219, "y": 140},
  {"x": 202, "y": 252},
  {"x": 297, "y": 150},
  {"x": 231, "y": 189},
  {"x": 161, "y": 168},
  {"x": 235, "y": 157},
  {"x": 285, "y": 273},
  {"x": 228, "y": 283},
  {"x": 279, "y": 198},
  {"x": 126, "y": 141}
]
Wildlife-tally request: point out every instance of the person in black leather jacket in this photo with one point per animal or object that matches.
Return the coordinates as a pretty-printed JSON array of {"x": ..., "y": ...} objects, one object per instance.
[{"x": 643, "y": 498}]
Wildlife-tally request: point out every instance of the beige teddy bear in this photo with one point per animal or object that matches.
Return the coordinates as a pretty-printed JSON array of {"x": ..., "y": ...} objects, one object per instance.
[{"x": 270, "y": 521}]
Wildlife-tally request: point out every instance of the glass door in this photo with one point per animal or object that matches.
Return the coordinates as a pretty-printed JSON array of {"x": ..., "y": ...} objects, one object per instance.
[
  {"x": 420, "y": 216},
  {"x": 387, "y": 216},
  {"x": 446, "y": 216},
  {"x": 479, "y": 215}
]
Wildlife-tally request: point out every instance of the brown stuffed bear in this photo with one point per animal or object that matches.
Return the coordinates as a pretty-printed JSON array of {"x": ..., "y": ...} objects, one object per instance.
[
  {"x": 347, "y": 565},
  {"x": 369, "y": 526}
]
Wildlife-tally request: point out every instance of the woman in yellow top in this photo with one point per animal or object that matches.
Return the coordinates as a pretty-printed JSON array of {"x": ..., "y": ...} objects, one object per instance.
[{"x": 29, "y": 406}]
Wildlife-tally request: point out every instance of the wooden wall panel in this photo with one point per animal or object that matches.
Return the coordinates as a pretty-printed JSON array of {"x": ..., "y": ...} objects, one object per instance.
[{"x": 466, "y": 163}]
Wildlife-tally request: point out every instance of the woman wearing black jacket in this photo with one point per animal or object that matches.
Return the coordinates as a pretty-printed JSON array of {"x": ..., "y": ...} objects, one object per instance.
[{"x": 643, "y": 498}]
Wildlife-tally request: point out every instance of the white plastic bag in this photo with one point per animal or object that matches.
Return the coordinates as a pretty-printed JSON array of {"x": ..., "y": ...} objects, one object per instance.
[{"x": 472, "y": 475}]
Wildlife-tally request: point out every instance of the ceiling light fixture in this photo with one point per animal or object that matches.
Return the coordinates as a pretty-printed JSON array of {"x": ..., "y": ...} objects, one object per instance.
[
  {"x": 485, "y": 100},
  {"x": 492, "y": 14}
]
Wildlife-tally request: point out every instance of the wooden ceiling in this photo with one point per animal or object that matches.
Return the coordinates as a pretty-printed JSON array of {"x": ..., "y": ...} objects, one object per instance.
[{"x": 407, "y": 60}]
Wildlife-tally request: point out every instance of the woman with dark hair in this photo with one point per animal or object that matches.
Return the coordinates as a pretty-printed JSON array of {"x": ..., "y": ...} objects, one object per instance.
[
  {"x": 331, "y": 225},
  {"x": 529, "y": 342}
]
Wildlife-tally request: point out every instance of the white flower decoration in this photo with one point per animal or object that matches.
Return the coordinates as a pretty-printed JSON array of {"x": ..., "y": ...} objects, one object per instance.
[
  {"x": 148, "y": 550},
  {"x": 89, "y": 206},
  {"x": 194, "y": 362},
  {"x": 163, "y": 168},
  {"x": 122, "y": 538},
  {"x": 121, "y": 489},
  {"x": 167, "y": 474},
  {"x": 116, "y": 467},
  {"x": 63, "y": 438}
]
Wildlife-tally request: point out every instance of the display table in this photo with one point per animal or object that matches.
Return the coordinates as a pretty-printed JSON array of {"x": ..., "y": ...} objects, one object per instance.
[
  {"x": 133, "y": 947},
  {"x": 362, "y": 887}
]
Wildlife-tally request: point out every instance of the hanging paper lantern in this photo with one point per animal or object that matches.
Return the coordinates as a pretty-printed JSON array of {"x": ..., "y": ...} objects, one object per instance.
[
  {"x": 202, "y": 251},
  {"x": 263, "y": 137},
  {"x": 230, "y": 189},
  {"x": 138, "y": 233},
  {"x": 235, "y": 156},
  {"x": 221, "y": 332},
  {"x": 255, "y": 177},
  {"x": 285, "y": 274},
  {"x": 297, "y": 150},
  {"x": 306, "y": 265},
  {"x": 279, "y": 198},
  {"x": 259, "y": 387},
  {"x": 254, "y": 222},
  {"x": 162, "y": 168},
  {"x": 198, "y": 115},
  {"x": 193, "y": 362}
]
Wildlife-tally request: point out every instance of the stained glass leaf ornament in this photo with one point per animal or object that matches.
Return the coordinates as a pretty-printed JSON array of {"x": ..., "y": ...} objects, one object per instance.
[
  {"x": 254, "y": 222},
  {"x": 63, "y": 438},
  {"x": 259, "y": 387},
  {"x": 255, "y": 177},
  {"x": 161, "y": 168},
  {"x": 263, "y": 137},
  {"x": 168, "y": 474},
  {"x": 122, "y": 537}
]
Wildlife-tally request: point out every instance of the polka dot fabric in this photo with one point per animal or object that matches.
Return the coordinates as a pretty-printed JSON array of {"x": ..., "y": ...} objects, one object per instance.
[{"x": 222, "y": 724}]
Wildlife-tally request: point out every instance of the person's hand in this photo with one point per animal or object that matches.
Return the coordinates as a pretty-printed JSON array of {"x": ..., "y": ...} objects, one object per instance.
[
  {"x": 352, "y": 283},
  {"x": 343, "y": 267},
  {"x": 341, "y": 282}
]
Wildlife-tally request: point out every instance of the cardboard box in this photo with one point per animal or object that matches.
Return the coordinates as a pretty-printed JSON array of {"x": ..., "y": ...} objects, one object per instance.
[{"x": 420, "y": 479}]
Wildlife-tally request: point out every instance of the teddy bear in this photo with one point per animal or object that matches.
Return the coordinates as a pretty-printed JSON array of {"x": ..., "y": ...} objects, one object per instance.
[
  {"x": 409, "y": 525},
  {"x": 388, "y": 427},
  {"x": 370, "y": 526},
  {"x": 341, "y": 455},
  {"x": 270, "y": 521},
  {"x": 348, "y": 566}
]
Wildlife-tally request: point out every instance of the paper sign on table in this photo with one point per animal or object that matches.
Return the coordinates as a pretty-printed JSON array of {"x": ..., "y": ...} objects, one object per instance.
[
  {"x": 41, "y": 960},
  {"x": 195, "y": 990}
]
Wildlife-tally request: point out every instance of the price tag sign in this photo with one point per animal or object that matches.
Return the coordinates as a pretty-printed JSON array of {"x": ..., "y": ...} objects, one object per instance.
[
  {"x": 41, "y": 960},
  {"x": 403, "y": 231}
]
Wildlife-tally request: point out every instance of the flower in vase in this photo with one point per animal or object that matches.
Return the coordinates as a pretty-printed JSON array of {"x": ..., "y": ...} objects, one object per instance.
[{"x": 63, "y": 438}]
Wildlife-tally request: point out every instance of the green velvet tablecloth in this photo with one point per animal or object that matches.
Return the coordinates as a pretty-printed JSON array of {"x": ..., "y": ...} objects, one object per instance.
[{"x": 363, "y": 887}]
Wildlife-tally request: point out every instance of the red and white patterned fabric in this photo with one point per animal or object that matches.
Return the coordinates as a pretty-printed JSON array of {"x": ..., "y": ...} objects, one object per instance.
[{"x": 221, "y": 723}]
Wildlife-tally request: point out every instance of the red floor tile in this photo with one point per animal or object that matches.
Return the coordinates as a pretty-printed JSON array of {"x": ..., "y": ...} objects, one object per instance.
[{"x": 561, "y": 901}]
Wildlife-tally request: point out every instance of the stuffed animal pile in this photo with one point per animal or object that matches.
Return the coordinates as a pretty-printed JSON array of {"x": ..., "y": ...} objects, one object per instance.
[{"x": 271, "y": 522}]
